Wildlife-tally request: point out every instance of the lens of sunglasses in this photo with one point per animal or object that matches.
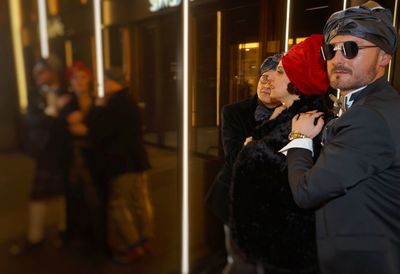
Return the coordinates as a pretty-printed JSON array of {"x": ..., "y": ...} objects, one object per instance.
[
  {"x": 349, "y": 50},
  {"x": 328, "y": 51}
]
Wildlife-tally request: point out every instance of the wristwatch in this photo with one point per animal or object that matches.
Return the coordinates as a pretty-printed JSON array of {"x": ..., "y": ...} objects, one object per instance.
[{"x": 296, "y": 135}]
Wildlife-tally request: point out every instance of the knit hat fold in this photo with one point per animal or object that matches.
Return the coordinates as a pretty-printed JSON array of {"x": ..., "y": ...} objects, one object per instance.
[{"x": 305, "y": 67}]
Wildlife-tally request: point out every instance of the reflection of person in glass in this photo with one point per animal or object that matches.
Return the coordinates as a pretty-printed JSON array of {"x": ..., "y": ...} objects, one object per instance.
[
  {"x": 48, "y": 144},
  {"x": 238, "y": 122},
  {"x": 355, "y": 183},
  {"x": 266, "y": 224},
  {"x": 85, "y": 208},
  {"x": 115, "y": 128}
]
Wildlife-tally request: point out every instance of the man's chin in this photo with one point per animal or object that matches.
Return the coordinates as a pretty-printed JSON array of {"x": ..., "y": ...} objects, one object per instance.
[{"x": 338, "y": 82}]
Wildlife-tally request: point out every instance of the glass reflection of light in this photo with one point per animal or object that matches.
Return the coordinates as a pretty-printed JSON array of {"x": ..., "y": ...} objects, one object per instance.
[
  {"x": 288, "y": 4},
  {"x": 185, "y": 141},
  {"x": 394, "y": 24},
  {"x": 15, "y": 17},
  {"x": 99, "y": 47},
  {"x": 68, "y": 53},
  {"x": 44, "y": 42},
  {"x": 218, "y": 76}
]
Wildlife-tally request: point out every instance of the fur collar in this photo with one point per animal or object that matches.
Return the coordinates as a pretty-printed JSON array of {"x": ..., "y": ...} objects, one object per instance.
[{"x": 306, "y": 103}]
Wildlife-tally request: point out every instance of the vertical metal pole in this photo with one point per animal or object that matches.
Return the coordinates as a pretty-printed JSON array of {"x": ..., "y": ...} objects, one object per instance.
[
  {"x": 15, "y": 17},
  {"x": 99, "y": 47},
  {"x": 288, "y": 6},
  {"x": 218, "y": 76},
  {"x": 394, "y": 24},
  {"x": 43, "y": 36},
  {"x": 185, "y": 141}
]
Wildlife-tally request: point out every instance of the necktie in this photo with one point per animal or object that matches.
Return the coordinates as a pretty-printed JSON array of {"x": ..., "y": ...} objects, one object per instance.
[
  {"x": 338, "y": 104},
  {"x": 343, "y": 103}
]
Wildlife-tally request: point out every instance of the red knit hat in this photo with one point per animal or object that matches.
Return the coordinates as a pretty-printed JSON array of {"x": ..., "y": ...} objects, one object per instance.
[
  {"x": 305, "y": 67},
  {"x": 77, "y": 66}
]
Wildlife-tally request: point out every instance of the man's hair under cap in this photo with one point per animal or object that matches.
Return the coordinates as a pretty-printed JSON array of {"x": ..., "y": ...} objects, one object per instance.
[
  {"x": 370, "y": 21},
  {"x": 270, "y": 63}
]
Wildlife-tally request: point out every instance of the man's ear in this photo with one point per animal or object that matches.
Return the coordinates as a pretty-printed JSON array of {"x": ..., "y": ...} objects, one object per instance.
[{"x": 384, "y": 58}]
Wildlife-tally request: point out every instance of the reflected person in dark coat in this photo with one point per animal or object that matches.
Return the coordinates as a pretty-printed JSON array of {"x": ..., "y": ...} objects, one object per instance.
[
  {"x": 238, "y": 122},
  {"x": 115, "y": 129},
  {"x": 267, "y": 225}
]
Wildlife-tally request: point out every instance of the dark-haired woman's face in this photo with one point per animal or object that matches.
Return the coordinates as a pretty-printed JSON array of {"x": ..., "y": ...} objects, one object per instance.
[{"x": 279, "y": 83}]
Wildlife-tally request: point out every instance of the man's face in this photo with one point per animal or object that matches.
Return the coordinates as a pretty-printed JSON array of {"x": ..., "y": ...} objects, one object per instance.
[
  {"x": 43, "y": 77},
  {"x": 111, "y": 86},
  {"x": 264, "y": 89},
  {"x": 367, "y": 66}
]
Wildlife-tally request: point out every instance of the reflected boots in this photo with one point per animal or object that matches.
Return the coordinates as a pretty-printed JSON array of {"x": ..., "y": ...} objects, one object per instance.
[
  {"x": 130, "y": 217},
  {"x": 36, "y": 227},
  {"x": 34, "y": 240}
]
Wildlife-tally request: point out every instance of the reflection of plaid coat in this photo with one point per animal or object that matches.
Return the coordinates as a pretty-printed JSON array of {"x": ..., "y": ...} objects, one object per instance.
[
  {"x": 49, "y": 143},
  {"x": 266, "y": 223}
]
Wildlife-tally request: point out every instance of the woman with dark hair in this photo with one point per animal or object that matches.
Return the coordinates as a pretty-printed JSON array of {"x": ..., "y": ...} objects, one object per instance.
[{"x": 266, "y": 224}]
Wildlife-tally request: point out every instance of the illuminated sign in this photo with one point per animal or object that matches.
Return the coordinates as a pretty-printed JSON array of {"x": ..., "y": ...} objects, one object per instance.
[{"x": 156, "y": 5}]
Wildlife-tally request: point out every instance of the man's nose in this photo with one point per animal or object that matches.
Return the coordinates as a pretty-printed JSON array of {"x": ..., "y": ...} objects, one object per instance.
[{"x": 339, "y": 57}]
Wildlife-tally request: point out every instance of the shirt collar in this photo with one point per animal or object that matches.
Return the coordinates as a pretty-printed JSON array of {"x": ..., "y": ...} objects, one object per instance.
[{"x": 349, "y": 97}]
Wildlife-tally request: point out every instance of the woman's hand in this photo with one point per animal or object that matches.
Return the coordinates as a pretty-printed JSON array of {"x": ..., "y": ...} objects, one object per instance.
[
  {"x": 62, "y": 101},
  {"x": 248, "y": 140},
  {"x": 78, "y": 129},
  {"x": 75, "y": 117},
  {"x": 100, "y": 102}
]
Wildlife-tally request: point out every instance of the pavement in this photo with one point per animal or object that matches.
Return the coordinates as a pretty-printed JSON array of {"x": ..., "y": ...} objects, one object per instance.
[{"x": 16, "y": 171}]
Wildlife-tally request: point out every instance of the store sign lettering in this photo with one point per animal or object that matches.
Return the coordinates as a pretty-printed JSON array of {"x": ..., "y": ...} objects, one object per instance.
[{"x": 156, "y": 5}]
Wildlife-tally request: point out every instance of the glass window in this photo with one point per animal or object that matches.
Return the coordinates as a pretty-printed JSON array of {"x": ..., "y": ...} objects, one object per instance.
[{"x": 309, "y": 17}]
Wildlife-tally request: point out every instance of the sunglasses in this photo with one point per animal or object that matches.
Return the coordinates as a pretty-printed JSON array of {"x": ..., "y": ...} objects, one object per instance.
[{"x": 349, "y": 50}]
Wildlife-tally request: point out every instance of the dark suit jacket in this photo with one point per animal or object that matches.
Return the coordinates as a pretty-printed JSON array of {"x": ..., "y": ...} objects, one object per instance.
[
  {"x": 238, "y": 123},
  {"x": 355, "y": 184}
]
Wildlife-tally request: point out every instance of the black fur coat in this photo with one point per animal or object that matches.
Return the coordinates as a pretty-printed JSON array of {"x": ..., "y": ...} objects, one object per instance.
[{"x": 266, "y": 224}]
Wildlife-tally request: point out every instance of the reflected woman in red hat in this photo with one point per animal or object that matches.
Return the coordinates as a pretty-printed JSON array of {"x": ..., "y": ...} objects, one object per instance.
[
  {"x": 85, "y": 205},
  {"x": 267, "y": 226}
]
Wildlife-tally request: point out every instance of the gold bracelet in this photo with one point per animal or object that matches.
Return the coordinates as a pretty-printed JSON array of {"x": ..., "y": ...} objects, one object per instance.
[{"x": 296, "y": 135}]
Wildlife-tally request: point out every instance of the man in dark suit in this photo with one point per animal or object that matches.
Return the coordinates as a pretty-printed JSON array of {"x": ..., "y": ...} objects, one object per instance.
[
  {"x": 238, "y": 122},
  {"x": 355, "y": 183}
]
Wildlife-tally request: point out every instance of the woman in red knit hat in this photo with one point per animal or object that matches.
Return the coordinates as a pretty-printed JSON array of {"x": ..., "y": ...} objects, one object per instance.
[
  {"x": 85, "y": 205},
  {"x": 267, "y": 226}
]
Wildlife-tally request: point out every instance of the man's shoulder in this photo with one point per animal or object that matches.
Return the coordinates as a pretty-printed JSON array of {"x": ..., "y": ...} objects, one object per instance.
[
  {"x": 383, "y": 96},
  {"x": 380, "y": 105},
  {"x": 245, "y": 105},
  {"x": 122, "y": 99}
]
